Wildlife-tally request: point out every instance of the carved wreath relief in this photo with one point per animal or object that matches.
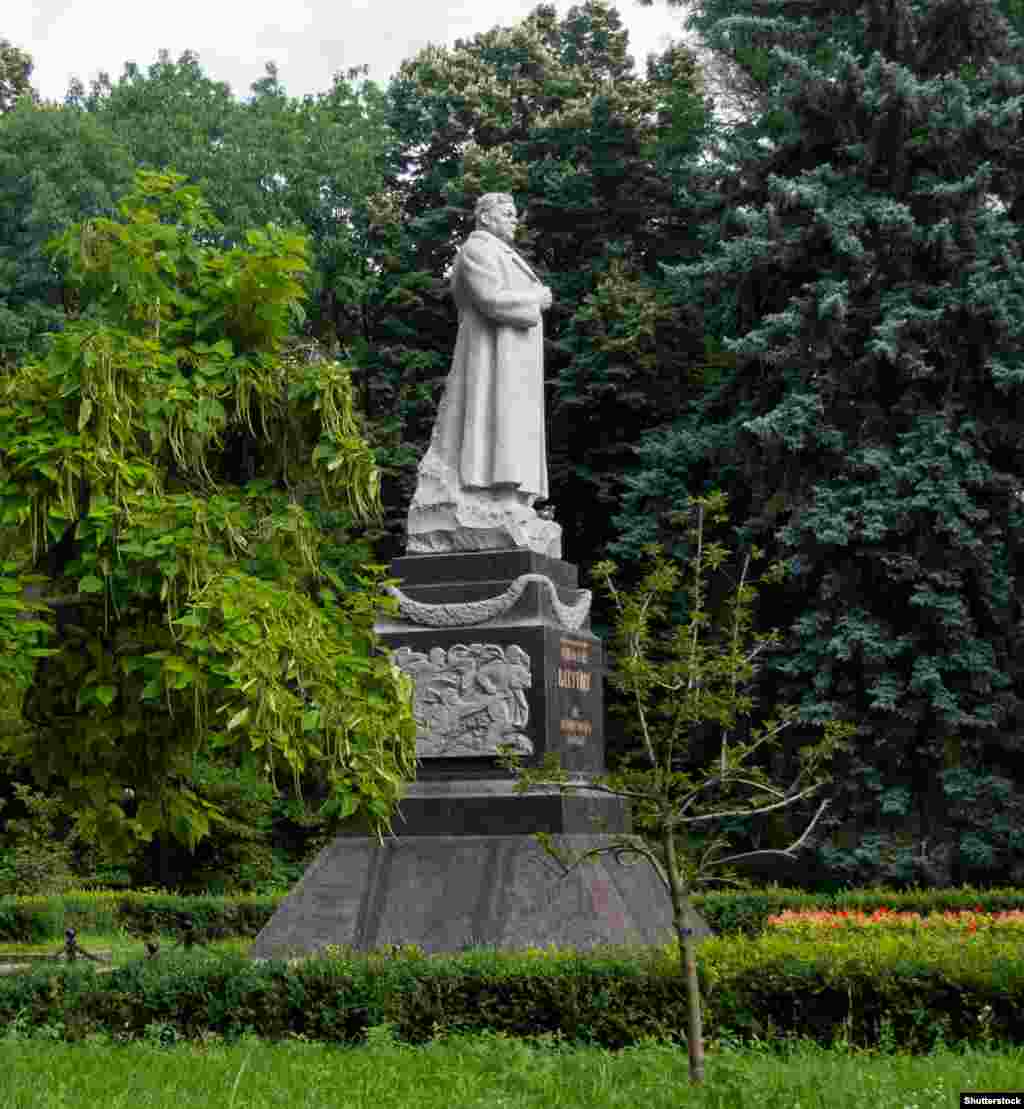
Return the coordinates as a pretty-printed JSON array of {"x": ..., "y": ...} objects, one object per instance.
[
  {"x": 468, "y": 700},
  {"x": 452, "y": 615}
]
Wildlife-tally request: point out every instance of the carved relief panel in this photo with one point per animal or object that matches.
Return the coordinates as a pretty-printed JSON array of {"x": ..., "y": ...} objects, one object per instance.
[{"x": 468, "y": 700}]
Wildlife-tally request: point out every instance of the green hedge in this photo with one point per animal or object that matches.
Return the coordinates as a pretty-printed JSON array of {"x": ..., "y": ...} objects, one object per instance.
[
  {"x": 908, "y": 990},
  {"x": 916, "y": 988},
  {"x": 33, "y": 919}
]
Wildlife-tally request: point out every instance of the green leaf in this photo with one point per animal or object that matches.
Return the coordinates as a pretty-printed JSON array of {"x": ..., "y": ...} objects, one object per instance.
[
  {"x": 90, "y": 584},
  {"x": 239, "y": 718},
  {"x": 311, "y": 720},
  {"x": 84, "y": 412},
  {"x": 105, "y": 694},
  {"x": 340, "y": 808},
  {"x": 184, "y": 678}
]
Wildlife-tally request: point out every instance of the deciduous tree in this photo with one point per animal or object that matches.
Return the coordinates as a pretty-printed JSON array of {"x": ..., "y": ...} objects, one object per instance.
[
  {"x": 57, "y": 165},
  {"x": 674, "y": 683},
  {"x": 311, "y": 163},
  {"x": 15, "y": 71},
  {"x": 155, "y": 464}
]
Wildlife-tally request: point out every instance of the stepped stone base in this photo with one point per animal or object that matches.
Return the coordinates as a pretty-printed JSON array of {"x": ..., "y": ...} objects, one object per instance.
[
  {"x": 447, "y": 893},
  {"x": 491, "y": 807},
  {"x": 498, "y": 643}
]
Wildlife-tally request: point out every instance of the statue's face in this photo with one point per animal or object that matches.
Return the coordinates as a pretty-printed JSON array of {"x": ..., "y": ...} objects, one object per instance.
[{"x": 501, "y": 220}]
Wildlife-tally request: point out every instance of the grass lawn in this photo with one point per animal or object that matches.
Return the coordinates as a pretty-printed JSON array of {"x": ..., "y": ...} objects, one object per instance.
[
  {"x": 482, "y": 1072},
  {"x": 37, "y": 1072}
]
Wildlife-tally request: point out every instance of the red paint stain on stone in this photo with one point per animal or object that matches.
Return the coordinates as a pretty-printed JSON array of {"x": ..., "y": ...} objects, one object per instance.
[{"x": 600, "y": 896}]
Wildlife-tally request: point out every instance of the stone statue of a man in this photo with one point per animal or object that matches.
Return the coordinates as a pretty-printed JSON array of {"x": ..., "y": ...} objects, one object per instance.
[{"x": 487, "y": 464}]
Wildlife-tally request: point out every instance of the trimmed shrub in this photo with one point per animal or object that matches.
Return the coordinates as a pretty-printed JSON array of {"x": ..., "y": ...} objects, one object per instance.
[
  {"x": 914, "y": 990},
  {"x": 32, "y": 919}
]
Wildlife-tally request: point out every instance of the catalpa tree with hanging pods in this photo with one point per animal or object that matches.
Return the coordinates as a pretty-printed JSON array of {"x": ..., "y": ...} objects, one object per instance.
[{"x": 161, "y": 595}]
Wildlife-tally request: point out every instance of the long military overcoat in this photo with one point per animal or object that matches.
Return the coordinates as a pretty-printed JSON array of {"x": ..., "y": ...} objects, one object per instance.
[{"x": 490, "y": 424}]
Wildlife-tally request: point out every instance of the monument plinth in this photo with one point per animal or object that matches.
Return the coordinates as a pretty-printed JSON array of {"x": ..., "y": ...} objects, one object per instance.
[
  {"x": 495, "y": 633},
  {"x": 500, "y": 649}
]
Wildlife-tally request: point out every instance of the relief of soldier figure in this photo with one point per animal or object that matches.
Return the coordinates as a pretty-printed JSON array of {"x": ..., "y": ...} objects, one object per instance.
[{"x": 469, "y": 700}]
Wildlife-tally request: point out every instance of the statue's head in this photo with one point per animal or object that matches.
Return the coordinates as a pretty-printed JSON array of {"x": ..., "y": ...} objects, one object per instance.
[{"x": 496, "y": 212}]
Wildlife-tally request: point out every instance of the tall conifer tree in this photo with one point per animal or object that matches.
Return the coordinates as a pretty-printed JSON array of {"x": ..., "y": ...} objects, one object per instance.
[{"x": 864, "y": 267}]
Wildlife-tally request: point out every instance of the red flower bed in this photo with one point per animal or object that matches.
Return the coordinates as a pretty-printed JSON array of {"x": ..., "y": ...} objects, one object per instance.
[{"x": 967, "y": 922}]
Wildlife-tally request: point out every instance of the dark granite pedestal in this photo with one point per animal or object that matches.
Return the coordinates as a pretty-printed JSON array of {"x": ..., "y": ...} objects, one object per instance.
[
  {"x": 499, "y": 646},
  {"x": 512, "y": 605},
  {"x": 447, "y": 893}
]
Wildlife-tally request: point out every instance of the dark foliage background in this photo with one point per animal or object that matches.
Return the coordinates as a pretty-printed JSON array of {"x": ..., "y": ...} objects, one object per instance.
[{"x": 817, "y": 306}]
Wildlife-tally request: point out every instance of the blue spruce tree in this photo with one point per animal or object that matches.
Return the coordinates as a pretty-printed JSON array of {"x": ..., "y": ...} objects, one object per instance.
[{"x": 863, "y": 268}]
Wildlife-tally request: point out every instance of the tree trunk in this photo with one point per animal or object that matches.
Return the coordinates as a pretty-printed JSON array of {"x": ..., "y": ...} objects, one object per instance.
[
  {"x": 688, "y": 959},
  {"x": 694, "y": 1027}
]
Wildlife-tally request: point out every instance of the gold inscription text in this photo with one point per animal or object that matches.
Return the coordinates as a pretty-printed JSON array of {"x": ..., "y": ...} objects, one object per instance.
[
  {"x": 575, "y": 727},
  {"x": 575, "y": 650},
  {"x": 573, "y": 679}
]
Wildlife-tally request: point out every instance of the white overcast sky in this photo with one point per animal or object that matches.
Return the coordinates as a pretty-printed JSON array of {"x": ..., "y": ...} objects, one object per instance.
[{"x": 310, "y": 40}]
